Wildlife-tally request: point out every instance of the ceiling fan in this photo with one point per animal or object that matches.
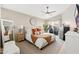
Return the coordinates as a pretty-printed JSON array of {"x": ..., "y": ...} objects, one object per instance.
[{"x": 47, "y": 11}]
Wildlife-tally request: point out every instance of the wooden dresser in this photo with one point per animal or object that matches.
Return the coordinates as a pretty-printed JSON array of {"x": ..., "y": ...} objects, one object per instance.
[{"x": 20, "y": 37}]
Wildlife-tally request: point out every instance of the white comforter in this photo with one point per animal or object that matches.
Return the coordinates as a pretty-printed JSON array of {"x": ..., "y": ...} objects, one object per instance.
[{"x": 40, "y": 42}]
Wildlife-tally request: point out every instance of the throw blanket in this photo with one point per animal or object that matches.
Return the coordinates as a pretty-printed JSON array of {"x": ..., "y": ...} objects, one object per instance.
[{"x": 35, "y": 37}]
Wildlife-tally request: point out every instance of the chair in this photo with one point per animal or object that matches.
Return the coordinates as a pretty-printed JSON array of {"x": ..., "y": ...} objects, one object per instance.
[{"x": 11, "y": 48}]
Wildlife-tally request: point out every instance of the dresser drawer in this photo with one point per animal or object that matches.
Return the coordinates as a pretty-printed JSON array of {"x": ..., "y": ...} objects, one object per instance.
[{"x": 20, "y": 37}]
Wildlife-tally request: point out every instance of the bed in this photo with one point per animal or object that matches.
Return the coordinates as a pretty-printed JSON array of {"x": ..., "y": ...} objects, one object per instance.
[{"x": 41, "y": 40}]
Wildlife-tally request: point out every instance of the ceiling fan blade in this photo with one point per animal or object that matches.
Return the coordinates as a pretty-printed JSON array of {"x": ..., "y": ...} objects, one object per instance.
[
  {"x": 52, "y": 11},
  {"x": 43, "y": 11},
  {"x": 48, "y": 12}
]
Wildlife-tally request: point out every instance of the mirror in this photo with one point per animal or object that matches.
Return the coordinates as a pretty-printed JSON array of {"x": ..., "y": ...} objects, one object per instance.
[{"x": 7, "y": 30}]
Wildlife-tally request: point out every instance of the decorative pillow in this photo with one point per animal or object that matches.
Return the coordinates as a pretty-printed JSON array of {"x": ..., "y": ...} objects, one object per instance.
[
  {"x": 36, "y": 31},
  {"x": 39, "y": 30}
]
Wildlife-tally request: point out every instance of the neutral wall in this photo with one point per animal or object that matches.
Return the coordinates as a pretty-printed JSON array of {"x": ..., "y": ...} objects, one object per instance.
[
  {"x": 0, "y": 34},
  {"x": 19, "y": 18},
  {"x": 0, "y": 26},
  {"x": 68, "y": 16},
  {"x": 55, "y": 20},
  {"x": 0, "y": 10}
]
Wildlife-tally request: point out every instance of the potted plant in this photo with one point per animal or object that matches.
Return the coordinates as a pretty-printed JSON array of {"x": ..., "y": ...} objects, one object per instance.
[{"x": 45, "y": 26}]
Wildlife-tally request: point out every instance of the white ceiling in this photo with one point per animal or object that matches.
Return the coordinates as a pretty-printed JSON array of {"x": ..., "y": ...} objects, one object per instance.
[{"x": 36, "y": 9}]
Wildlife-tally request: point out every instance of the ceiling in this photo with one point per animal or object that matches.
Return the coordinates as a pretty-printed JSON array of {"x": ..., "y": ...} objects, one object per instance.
[{"x": 36, "y": 9}]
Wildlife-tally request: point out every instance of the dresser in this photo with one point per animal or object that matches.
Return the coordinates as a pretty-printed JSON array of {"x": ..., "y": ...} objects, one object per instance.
[{"x": 20, "y": 37}]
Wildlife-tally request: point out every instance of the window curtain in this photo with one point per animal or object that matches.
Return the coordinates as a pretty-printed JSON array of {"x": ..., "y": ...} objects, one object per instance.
[{"x": 77, "y": 17}]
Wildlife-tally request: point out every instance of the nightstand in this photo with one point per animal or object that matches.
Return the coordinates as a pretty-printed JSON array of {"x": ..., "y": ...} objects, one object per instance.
[{"x": 20, "y": 37}]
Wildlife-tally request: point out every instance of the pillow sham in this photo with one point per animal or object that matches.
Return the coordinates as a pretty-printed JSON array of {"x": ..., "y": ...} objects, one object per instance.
[{"x": 36, "y": 31}]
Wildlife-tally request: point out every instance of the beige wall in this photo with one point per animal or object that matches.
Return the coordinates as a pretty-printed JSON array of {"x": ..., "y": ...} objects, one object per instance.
[
  {"x": 0, "y": 10},
  {"x": 0, "y": 26},
  {"x": 55, "y": 20},
  {"x": 19, "y": 18},
  {"x": 68, "y": 16}
]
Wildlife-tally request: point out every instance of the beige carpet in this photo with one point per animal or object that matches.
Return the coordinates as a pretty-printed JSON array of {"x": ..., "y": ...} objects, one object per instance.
[{"x": 28, "y": 48}]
